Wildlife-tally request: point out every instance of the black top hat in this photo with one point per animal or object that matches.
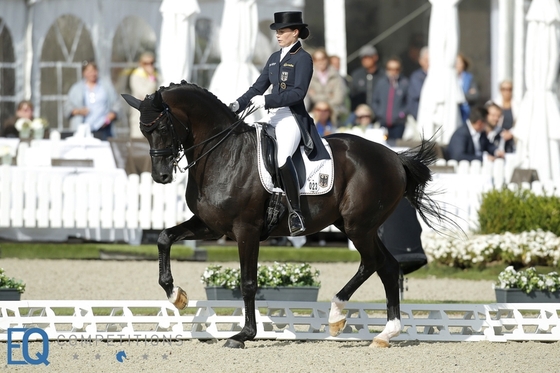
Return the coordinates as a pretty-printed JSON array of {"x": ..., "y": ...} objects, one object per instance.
[{"x": 287, "y": 19}]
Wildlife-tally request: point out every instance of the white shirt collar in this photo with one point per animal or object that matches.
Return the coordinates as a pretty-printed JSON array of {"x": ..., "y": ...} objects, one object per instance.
[
  {"x": 285, "y": 51},
  {"x": 475, "y": 137}
]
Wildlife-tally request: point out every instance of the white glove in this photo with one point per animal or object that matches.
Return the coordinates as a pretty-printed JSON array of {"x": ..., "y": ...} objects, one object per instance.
[
  {"x": 234, "y": 106},
  {"x": 258, "y": 101}
]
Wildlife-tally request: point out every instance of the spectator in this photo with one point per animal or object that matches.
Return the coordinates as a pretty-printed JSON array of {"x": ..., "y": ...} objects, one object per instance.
[
  {"x": 143, "y": 80},
  {"x": 505, "y": 101},
  {"x": 469, "y": 141},
  {"x": 327, "y": 86},
  {"x": 416, "y": 82},
  {"x": 322, "y": 114},
  {"x": 468, "y": 85},
  {"x": 24, "y": 110},
  {"x": 364, "y": 78},
  {"x": 497, "y": 135},
  {"x": 93, "y": 102},
  {"x": 389, "y": 99},
  {"x": 364, "y": 117},
  {"x": 334, "y": 61}
]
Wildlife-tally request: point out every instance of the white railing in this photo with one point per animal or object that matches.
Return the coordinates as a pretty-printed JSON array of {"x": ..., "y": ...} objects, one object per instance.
[
  {"x": 88, "y": 202},
  {"x": 98, "y": 320}
]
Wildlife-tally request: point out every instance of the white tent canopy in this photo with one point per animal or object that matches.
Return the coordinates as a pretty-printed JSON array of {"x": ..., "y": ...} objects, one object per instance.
[
  {"x": 538, "y": 125},
  {"x": 238, "y": 36},
  {"x": 177, "y": 40},
  {"x": 441, "y": 93}
]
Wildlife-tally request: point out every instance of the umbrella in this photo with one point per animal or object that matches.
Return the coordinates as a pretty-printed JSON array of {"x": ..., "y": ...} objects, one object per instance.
[
  {"x": 238, "y": 36},
  {"x": 441, "y": 93},
  {"x": 538, "y": 124},
  {"x": 177, "y": 39}
]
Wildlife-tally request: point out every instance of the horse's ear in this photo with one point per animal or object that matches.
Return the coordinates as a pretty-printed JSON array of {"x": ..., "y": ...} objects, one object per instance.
[
  {"x": 132, "y": 101},
  {"x": 157, "y": 101}
]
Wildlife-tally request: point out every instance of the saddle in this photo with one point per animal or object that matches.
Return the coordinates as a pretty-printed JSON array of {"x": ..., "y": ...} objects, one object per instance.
[{"x": 314, "y": 178}]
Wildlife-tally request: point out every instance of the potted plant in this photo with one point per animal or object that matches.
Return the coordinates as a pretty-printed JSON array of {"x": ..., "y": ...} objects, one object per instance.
[
  {"x": 527, "y": 286},
  {"x": 279, "y": 281},
  {"x": 10, "y": 288}
]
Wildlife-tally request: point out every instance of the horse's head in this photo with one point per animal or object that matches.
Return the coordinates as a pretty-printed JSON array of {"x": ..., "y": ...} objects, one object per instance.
[
  {"x": 173, "y": 119},
  {"x": 156, "y": 124}
]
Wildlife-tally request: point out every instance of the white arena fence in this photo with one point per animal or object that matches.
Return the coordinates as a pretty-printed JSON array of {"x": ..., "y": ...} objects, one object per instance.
[
  {"x": 92, "y": 321},
  {"x": 53, "y": 203}
]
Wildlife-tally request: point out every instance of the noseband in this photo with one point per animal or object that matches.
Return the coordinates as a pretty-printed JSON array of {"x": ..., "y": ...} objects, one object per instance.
[{"x": 177, "y": 150}]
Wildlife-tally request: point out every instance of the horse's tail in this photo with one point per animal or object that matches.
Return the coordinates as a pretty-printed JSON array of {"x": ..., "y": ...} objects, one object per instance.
[{"x": 416, "y": 162}]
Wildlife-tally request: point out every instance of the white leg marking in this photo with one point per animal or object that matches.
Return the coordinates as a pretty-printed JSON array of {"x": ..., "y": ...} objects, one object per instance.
[
  {"x": 337, "y": 306},
  {"x": 173, "y": 297},
  {"x": 392, "y": 329}
]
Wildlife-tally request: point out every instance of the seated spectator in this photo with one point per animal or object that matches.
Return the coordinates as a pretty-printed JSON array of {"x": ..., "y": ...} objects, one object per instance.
[
  {"x": 24, "y": 110},
  {"x": 389, "y": 99},
  {"x": 364, "y": 117},
  {"x": 143, "y": 80},
  {"x": 327, "y": 86},
  {"x": 506, "y": 102},
  {"x": 469, "y": 141},
  {"x": 497, "y": 135},
  {"x": 322, "y": 114},
  {"x": 94, "y": 102}
]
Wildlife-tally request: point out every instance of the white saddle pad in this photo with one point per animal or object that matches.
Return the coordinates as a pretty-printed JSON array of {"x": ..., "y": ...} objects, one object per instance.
[{"x": 320, "y": 174}]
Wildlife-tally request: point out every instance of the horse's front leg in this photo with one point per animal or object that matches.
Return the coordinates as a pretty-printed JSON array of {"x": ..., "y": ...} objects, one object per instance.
[
  {"x": 192, "y": 229},
  {"x": 248, "y": 247}
]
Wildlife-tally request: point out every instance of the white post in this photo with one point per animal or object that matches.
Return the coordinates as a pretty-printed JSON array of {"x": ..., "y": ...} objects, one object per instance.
[
  {"x": 518, "y": 50},
  {"x": 335, "y": 31}
]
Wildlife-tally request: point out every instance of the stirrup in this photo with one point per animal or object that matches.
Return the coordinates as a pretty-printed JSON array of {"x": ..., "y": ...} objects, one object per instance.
[{"x": 295, "y": 223}]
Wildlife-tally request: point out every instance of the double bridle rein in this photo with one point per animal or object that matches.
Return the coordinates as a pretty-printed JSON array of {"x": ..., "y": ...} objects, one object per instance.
[{"x": 177, "y": 149}]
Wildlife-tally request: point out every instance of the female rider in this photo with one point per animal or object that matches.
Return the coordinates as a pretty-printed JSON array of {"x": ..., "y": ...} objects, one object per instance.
[{"x": 289, "y": 71}]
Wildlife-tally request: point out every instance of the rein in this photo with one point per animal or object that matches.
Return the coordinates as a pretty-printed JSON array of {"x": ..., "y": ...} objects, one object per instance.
[{"x": 177, "y": 148}]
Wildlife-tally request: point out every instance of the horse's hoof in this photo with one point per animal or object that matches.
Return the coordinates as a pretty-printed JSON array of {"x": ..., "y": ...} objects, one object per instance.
[
  {"x": 336, "y": 328},
  {"x": 232, "y": 343},
  {"x": 179, "y": 298},
  {"x": 379, "y": 343}
]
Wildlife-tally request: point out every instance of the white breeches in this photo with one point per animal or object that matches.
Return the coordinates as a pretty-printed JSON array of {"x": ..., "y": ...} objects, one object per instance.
[{"x": 288, "y": 135}]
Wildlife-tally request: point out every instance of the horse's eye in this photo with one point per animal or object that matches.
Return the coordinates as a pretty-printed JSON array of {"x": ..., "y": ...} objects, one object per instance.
[{"x": 162, "y": 128}]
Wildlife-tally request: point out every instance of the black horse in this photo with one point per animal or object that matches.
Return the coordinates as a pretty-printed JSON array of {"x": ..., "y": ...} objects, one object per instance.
[{"x": 226, "y": 196}]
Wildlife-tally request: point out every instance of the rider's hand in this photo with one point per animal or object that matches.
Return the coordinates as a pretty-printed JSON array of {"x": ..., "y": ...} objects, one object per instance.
[
  {"x": 234, "y": 106},
  {"x": 258, "y": 102}
]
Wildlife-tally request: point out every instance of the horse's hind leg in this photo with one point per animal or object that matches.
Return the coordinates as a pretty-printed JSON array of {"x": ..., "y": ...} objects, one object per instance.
[
  {"x": 371, "y": 259},
  {"x": 192, "y": 229},
  {"x": 389, "y": 275},
  {"x": 374, "y": 257}
]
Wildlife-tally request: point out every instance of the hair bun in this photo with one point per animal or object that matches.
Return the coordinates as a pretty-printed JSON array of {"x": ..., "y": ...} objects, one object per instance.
[{"x": 304, "y": 33}]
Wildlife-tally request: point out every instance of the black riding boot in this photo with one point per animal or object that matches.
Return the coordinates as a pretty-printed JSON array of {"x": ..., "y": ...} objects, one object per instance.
[{"x": 288, "y": 174}]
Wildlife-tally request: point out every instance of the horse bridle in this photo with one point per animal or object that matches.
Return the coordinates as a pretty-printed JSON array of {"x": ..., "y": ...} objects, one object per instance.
[{"x": 176, "y": 149}]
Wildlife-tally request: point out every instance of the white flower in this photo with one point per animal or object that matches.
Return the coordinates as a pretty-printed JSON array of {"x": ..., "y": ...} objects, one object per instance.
[
  {"x": 22, "y": 123},
  {"x": 5, "y": 150},
  {"x": 39, "y": 123}
]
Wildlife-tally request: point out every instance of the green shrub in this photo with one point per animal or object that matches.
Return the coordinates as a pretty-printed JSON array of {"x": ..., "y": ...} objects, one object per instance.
[{"x": 504, "y": 210}]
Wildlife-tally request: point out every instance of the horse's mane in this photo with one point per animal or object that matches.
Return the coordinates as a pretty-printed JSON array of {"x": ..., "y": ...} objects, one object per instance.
[{"x": 184, "y": 85}]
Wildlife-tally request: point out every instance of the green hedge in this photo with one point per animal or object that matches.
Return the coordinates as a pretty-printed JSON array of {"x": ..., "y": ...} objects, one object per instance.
[{"x": 504, "y": 210}]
